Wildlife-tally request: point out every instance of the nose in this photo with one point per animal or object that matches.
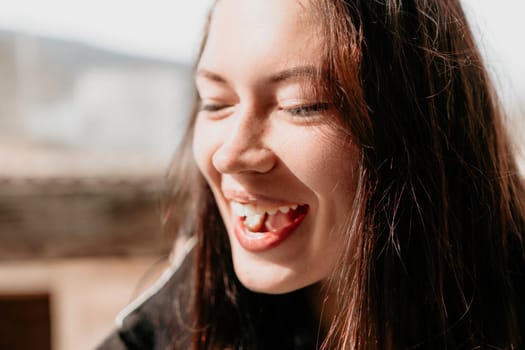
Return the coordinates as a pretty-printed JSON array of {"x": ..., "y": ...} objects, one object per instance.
[{"x": 243, "y": 149}]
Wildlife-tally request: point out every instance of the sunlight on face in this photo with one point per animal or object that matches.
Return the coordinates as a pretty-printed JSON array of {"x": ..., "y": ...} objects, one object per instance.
[{"x": 281, "y": 176}]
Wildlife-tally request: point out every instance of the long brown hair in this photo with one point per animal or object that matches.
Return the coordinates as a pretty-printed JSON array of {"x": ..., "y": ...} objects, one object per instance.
[{"x": 435, "y": 254}]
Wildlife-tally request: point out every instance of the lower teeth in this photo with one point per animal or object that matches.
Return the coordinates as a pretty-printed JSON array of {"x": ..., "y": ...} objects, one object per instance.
[{"x": 255, "y": 223}]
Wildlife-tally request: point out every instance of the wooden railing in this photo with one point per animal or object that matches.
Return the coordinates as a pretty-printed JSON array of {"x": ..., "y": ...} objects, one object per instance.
[{"x": 67, "y": 217}]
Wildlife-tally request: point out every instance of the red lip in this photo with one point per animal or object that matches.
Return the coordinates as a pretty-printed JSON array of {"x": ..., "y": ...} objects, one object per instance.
[{"x": 261, "y": 241}]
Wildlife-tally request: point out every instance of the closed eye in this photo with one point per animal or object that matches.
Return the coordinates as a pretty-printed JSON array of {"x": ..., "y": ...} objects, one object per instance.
[
  {"x": 308, "y": 110},
  {"x": 212, "y": 107}
]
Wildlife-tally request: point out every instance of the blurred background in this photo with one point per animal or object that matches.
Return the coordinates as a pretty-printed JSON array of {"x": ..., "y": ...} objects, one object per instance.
[{"x": 94, "y": 97}]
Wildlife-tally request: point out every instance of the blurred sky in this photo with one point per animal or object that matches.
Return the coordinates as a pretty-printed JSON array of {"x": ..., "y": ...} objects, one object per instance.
[
  {"x": 167, "y": 29},
  {"x": 171, "y": 29}
]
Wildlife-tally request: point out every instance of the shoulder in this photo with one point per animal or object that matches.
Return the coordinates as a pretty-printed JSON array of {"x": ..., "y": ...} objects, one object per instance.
[{"x": 160, "y": 317}]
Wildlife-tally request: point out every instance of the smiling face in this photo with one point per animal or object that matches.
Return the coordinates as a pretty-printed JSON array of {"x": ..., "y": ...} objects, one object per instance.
[{"x": 281, "y": 175}]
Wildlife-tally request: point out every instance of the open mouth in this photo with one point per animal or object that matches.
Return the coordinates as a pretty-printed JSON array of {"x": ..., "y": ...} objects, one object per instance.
[{"x": 259, "y": 228}]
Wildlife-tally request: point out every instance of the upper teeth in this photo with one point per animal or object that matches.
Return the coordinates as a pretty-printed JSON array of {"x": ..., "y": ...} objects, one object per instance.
[{"x": 241, "y": 209}]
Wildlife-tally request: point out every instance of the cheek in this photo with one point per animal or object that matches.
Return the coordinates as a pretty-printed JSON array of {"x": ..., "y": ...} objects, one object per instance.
[{"x": 321, "y": 163}]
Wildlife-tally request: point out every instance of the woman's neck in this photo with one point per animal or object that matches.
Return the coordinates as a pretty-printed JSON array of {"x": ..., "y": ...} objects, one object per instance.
[{"x": 323, "y": 301}]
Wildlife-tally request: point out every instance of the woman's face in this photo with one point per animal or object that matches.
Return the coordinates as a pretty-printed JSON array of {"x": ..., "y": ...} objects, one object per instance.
[{"x": 267, "y": 145}]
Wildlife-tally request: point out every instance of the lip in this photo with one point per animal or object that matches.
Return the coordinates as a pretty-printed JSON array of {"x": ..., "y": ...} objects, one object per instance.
[
  {"x": 245, "y": 198},
  {"x": 262, "y": 241}
]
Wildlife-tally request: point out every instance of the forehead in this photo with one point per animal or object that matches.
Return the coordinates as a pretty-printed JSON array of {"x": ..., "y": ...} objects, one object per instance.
[{"x": 261, "y": 33}]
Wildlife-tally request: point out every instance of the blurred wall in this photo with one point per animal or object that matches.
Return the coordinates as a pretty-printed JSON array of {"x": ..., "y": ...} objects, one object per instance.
[{"x": 70, "y": 99}]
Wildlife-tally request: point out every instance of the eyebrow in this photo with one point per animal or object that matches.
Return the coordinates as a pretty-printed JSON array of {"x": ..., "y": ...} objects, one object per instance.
[
  {"x": 278, "y": 77},
  {"x": 209, "y": 75},
  {"x": 292, "y": 73}
]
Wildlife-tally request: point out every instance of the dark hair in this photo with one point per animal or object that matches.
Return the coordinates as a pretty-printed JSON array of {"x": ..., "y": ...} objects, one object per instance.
[{"x": 435, "y": 255}]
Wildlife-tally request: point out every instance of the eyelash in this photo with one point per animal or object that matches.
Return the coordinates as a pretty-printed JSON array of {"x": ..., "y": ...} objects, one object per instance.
[
  {"x": 300, "y": 111},
  {"x": 308, "y": 110},
  {"x": 211, "y": 107}
]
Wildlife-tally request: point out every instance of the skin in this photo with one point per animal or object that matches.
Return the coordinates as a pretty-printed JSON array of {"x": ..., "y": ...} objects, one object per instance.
[{"x": 262, "y": 137}]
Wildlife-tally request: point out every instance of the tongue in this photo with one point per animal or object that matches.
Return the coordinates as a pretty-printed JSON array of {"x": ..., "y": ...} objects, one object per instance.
[{"x": 278, "y": 221}]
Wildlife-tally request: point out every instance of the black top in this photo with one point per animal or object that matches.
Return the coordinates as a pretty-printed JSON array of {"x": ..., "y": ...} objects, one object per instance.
[{"x": 162, "y": 321}]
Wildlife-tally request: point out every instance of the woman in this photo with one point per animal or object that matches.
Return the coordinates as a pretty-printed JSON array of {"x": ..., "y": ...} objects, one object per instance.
[{"x": 354, "y": 186}]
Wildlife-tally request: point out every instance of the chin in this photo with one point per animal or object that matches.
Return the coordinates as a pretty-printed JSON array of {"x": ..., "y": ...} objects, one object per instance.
[
  {"x": 267, "y": 285},
  {"x": 266, "y": 277}
]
